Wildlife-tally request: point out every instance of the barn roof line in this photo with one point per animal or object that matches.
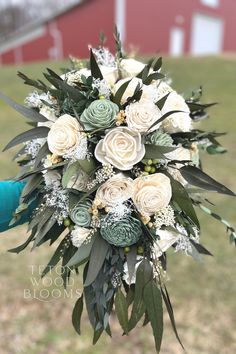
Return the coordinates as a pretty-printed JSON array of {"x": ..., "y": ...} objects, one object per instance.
[{"x": 33, "y": 29}]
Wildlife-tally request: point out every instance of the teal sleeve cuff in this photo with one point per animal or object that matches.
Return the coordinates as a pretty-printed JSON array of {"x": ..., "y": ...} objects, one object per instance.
[{"x": 10, "y": 192}]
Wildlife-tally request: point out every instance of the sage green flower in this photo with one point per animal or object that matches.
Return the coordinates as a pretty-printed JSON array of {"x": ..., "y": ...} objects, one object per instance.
[
  {"x": 80, "y": 214},
  {"x": 158, "y": 137},
  {"x": 99, "y": 114},
  {"x": 121, "y": 233}
]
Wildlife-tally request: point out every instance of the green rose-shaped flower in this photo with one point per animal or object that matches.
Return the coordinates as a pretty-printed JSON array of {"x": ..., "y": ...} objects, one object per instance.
[
  {"x": 158, "y": 137},
  {"x": 80, "y": 214},
  {"x": 99, "y": 114},
  {"x": 121, "y": 233}
]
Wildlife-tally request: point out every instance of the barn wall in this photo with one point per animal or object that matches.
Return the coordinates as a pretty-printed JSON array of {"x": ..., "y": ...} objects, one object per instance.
[
  {"x": 81, "y": 26},
  {"x": 147, "y": 25},
  {"x": 150, "y": 23}
]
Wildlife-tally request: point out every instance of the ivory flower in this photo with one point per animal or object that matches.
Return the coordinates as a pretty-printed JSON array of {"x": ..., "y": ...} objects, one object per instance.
[
  {"x": 110, "y": 74},
  {"x": 121, "y": 148},
  {"x": 166, "y": 240},
  {"x": 141, "y": 115},
  {"x": 151, "y": 193},
  {"x": 162, "y": 89},
  {"x": 115, "y": 190},
  {"x": 79, "y": 235},
  {"x": 176, "y": 122},
  {"x": 180, "y": 154},
  {"x": 131, "y": 67},
  {"x": 64, "y": 135}
]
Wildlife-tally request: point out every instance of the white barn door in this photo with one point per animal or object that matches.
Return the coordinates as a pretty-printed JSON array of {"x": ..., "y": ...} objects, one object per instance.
[
  {"x": 176, "y": 47},
  {"x": 207, "y": 35}
]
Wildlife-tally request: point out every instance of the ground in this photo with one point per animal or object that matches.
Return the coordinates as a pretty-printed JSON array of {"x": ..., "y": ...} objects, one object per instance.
[{"x": 203, "y": 295}]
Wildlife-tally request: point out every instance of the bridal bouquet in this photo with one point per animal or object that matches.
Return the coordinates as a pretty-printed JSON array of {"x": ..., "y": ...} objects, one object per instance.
[{"x": 112, "y": 163}]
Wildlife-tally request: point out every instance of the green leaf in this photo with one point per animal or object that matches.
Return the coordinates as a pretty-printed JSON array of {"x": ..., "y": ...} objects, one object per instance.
[
  {"x": 153, "y": 76},
  {"x": 181, "y": 197},
  {"x": 215, "y": 149},
  {"x": 160, "y": 103},
  {"x": 201, "y": 249},
  {"x": 26, "y": 112},
  {"x": 157, "y": 151},
  {"x": 43, "y": 231},
  {"x": 170, "y": 311},
  {"x": 96, "y": 335},
  {"x": 20, "y": 248},
  {"x": 166, "y": 115},
  {"x": 95, "y": 70},
  {"x": 57, "y": 256},
  {"x": 39, "y": 85},
  {"x": 198, "y": 178},
  {"x": 42, "y": 153},
  {"x": 39, "y": 216},
  {"x": 119, "y": 93},
  {"x": 153, "y": 302},
  {"x": 71, "y": 171},
  {"x": 121, "y": 308},
  {"x": 143, "y": 276},
  {"x": 32, "y": 183},
  {"x": 131, "y": 258},
  {"x": 40, "y": 132},
  {"x": 196, "y": 106},
  {"x": 77, "y": 313},
  {"x": 97, "y": 257},
  {"x": 157, "y": 64},
  {"x": 82, "y": 254}
]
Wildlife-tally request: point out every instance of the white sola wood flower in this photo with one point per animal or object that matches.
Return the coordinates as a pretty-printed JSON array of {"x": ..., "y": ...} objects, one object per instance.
[
  {"x": 176, "y": 122},
  {"x": 165, "y": 240},
  {"x": 151, "y": 193},
  {"x": 130, "y": 67},
  {"x": 140, "y": 116},
  {"x": 65, "y": 135},
  {"x": 115, "y": 190},
  {"x": 79, "y": 235},
  {"x": 121, "y": 147}
]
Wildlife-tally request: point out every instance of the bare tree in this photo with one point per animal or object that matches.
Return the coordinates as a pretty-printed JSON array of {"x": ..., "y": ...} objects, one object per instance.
[{"x": 15, "y": 14}]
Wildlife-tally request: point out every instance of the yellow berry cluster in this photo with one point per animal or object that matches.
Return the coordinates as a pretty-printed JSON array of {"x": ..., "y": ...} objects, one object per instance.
[
  {"x": 147, "y": 221},
  {"x": 54, "y": 158},
  {"x": 120, "y": 118}
]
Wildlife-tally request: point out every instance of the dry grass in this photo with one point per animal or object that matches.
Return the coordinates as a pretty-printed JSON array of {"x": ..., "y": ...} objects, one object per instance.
[{"x": 203, "y": 295}]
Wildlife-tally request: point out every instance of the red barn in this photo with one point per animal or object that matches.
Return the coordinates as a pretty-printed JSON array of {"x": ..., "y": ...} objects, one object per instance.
[{"x": 195, "y": 27}]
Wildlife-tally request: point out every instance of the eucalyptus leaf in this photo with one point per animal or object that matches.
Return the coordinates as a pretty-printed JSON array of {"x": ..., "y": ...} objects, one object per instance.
[
  {"x": 25, "y": 111},
  {"x": 131, "y": 258},
  {"x": 95, "y": 70},
  {"x": 121, "y": 308},
  {"x": 35, "y": 133},
  {"x": 198, "y": 178},
  {"x": 120, "y": 92},
  {"x": 143, "y": 276},
  {"x": 97, "y": 257},
  {"x": 81, "y": 254},
  {"x": 157, "y": 151},
  {"x": 181, "y": 197},
  {"x": 77, "y": 313},
  {"x": 153, "y": 302},
  {"x": 20, "y": 248},
  {"x": 161, "y": 102},
  {"x": 57, "y": 256},
  {"x": 170, "y": 311}
]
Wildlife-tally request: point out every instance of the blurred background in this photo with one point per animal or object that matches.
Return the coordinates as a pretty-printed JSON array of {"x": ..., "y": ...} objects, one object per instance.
[{"x": 197, "y": 41}]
